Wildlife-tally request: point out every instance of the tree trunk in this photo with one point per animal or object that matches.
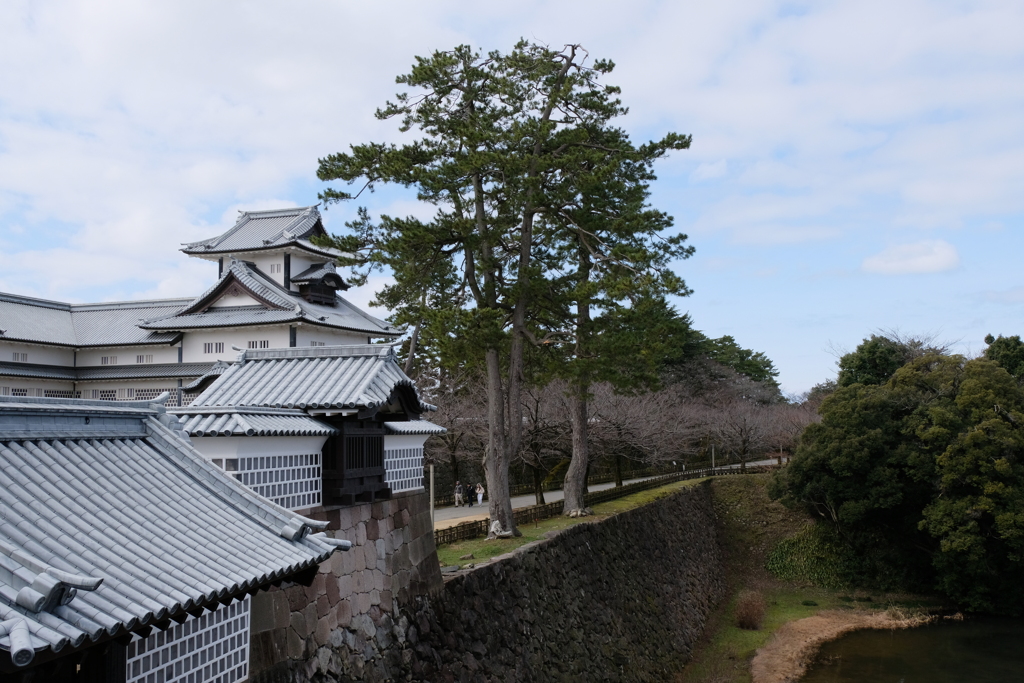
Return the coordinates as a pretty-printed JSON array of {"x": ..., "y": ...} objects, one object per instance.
[
  {"x": 538, "y": 485},
  {"x": 496, "y": 461},
  {"x": 455, "y": 468},
  {"x": 618, "y": 469},
  {"x": 576, "y": 475}
]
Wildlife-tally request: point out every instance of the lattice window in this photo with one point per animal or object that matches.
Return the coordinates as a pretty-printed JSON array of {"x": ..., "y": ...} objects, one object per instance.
[
  {"x": 150, "y": 394},
  {"x": 20, "y": 357},
  {"x": 57, "y": 393},
  {"x": 108, "y": 360},
  {"x": 316, "y": 343},
  {"x": 144, "y": 358},
  {"x": 403, "y": 469},
  {"x": 259, "y": 344},
  {"x": 213, "y": 347},
  {"x": 211, "y": 647},
  {"x": 125, "y": 394},
  {"x": 291, "y": 481},
  {"x": 275, "y": 268}
]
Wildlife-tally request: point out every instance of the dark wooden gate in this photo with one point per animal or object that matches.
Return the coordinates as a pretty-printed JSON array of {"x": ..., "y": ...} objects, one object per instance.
[{"x": 354, "y": 464}]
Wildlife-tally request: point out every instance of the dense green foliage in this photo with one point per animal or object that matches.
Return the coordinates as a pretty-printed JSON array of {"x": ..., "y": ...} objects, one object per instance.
[
  {"x": 1008, "y": 352},
  {"x": 813, "y": 555},
  {"x": 923, "y": 478},
  {"x": 754, "y": 364}
]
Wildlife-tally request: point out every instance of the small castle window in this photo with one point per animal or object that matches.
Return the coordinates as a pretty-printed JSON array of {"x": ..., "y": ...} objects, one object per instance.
[
  {"x": 108, "y": 360},
  {"x": 144, "y": 358},
  {"x": 20, "y": 357},
  {"x": 260, "y": 344},
  {"x": 213, "y": 347}
]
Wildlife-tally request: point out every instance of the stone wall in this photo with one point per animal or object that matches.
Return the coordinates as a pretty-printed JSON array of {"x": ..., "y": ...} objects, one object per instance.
[
  {"x": 624, "y": 599},
  {"x": 392, "y": 561}
]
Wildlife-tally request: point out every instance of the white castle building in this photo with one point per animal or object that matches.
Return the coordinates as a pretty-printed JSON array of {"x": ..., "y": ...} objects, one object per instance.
[
  {"x": 275, "y": 289},
  {"x": 273, "y": 375}
]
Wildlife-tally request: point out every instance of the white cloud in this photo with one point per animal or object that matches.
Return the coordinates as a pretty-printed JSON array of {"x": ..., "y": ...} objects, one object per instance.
[
  {"x": 926, "y": 256},
  {"x": 710, "y": 171}
]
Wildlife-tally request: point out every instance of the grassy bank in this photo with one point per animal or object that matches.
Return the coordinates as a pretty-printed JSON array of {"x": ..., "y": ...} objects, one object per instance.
[
  {"x": 751, "y": 528},
  {"x": 483, "y": 550}
]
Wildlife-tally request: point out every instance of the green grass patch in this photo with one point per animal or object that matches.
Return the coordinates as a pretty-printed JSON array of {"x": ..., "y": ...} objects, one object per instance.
[
  {"x": 482, "y": 549},
  {"x": 725, "y": 658}
]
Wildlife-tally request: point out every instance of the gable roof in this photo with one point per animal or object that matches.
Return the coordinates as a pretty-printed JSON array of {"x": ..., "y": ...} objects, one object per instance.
[
  {"x": 322, "y": 377},
  {"x": 265, "y": 230},
  {"x": 113, "y": 523},
  {"x": 37, "y": 321},
  {"x": 278, "y": 305}
]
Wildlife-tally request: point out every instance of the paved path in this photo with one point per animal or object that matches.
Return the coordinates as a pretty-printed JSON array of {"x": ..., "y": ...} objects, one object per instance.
[
  {"x": 445, "y": 517},
  {"x": 450, "y": 516}
]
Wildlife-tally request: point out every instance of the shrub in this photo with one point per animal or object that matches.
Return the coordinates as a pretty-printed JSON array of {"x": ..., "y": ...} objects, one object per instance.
[{"x": 750, "y": 607}]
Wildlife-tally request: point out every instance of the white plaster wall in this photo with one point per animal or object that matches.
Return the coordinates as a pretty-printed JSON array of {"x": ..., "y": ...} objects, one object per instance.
[
  {"x": 236, "y": 300},
  {"x": 126, "y": 355},
  {"x": 307, "y": 333},
  {"x": 264, "y": 261},
  {"x": 240, "y": 337},
  {"x": 234, "y": 446},
  {"x": 44, "y": 355},
  {"x": 396, "y": 441}
]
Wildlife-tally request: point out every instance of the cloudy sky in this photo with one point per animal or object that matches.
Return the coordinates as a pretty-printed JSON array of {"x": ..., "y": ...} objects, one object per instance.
[{"x": 855, "y": 166}]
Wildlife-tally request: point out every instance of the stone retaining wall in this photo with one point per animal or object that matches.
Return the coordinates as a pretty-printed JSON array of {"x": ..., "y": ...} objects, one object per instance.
[
  {"x": 624, "y": 599},
  {"x": 392, "y": 561}
]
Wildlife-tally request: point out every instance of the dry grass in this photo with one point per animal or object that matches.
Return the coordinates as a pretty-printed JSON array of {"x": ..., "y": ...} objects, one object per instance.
[{"x": 750, "y": 609}]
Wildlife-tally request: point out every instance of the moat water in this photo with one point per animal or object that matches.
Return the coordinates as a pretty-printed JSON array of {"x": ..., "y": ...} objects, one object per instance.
[{"x": 986, "y": 650}]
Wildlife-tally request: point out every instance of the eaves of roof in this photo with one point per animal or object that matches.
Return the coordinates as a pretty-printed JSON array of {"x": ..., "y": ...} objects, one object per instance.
[
  {"x": 413, "y": 427},
  {"x": 104, "y": 372},
  {"x": 207, "y": 422},
  {"x": 35, "y": 371},
  {"x": 142, "y": 371}
]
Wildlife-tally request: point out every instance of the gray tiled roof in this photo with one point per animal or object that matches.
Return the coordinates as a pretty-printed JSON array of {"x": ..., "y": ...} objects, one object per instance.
[
  {"x": 142, "y": 371},
  {"x": 118, "y": 524},
  {"x": 413, "y": 427},
  {"x": 214, "y": 371},
  {"x": 262, "y": 230},
  {"x": 359, "y": 376},
  {"x": 56, "y": 372},
  {"x": 105, "y": 372},
  {"x": 281, "y": 306},
  {"x": 23, "y": 318},
  {"x": 316, "y": 272},
  {"x": 250, "y": 422}
]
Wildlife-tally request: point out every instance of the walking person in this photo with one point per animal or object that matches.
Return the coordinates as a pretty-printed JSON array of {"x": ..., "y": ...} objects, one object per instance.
[
  {"x": 479, "y": 493},
  {"x": 458, "y": 493}
]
